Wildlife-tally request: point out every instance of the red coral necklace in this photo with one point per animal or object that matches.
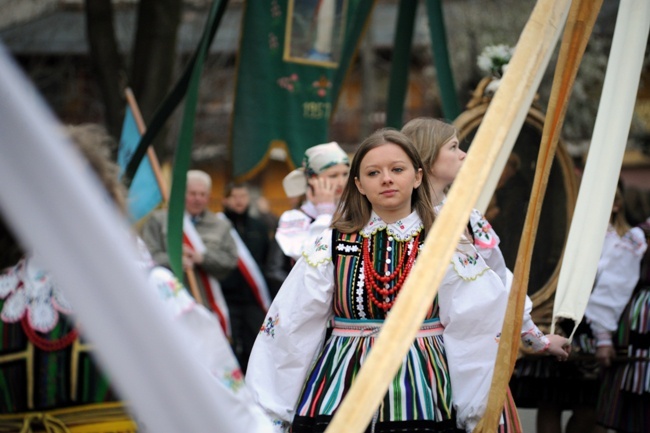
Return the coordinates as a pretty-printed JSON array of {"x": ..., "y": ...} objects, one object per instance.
[{"x": 371, "y": 276}]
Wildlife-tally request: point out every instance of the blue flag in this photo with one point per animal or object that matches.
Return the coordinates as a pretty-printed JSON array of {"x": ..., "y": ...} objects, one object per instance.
[{"x": 144, "y": 193}]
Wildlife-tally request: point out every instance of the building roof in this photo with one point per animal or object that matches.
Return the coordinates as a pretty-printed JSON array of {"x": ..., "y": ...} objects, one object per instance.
[{"x": 61, "y": 29}]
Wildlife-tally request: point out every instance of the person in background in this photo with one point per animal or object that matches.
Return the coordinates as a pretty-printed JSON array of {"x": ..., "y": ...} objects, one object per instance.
[
  {"x": 218, "y": 255},
  {"x": 574, "y": 385},
  {"x": 245, "y": 287},
  {"x": 266, "y": 215},
  {"x": 624, "y": 398},
  {"x": 319, "y": 183},
  {"x": 316, "y": 187},
  {"x": 477, "y": 283}
]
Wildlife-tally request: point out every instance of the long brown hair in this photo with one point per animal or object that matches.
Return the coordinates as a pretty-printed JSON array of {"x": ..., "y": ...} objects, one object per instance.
[
  {"x": 618, "y": 218},
  {"x": 428, "y": 136},
  {"x": 354, "y": 210}
]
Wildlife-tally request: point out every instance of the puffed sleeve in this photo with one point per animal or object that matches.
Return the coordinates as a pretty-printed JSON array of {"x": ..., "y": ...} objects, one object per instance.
[
  {"x": 204, "y": 337},
  {"x": 472, "y": 307},
  {"x": 297, "y": 232},
  {"x": 618, "y": 273},
  {"x": 293, "y": 332},
  {"x": 487, "y": 242}
]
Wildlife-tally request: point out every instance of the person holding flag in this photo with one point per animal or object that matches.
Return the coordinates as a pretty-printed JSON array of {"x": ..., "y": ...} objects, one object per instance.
[
  {"x": 245, "y": 288},
  {"x": 208, "y": 247}
]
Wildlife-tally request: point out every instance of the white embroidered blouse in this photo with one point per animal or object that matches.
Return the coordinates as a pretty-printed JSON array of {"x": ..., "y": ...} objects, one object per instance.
[{"x": 617, "y": 275}]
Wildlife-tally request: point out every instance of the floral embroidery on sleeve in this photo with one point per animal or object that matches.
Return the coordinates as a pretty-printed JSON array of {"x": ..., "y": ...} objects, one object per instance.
[
  {"x": 468, "y": 263},
  {"x": 535, "y": 340},
  {"x": 268, "y": 327},
  {"x": 484, "y": 235},
  {"x": 321, "y": 251},
  {"x": 233, "y": 379}
]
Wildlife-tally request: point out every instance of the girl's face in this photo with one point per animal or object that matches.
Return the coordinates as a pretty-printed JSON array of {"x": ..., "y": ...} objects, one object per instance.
[
  {"x": 337, "y": 175},
  {"x": 448, "y": 162},
  {"x": 387, "y": 179}
]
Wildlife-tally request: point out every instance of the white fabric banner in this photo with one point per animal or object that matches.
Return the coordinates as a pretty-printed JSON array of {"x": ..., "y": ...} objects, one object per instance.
[
  {"x": 602, "y": 170},
  {"x": 58, "y": 209}
]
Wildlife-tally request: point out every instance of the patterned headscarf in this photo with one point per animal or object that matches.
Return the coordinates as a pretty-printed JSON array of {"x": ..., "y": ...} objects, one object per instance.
[{"x": 316, "y": 160}]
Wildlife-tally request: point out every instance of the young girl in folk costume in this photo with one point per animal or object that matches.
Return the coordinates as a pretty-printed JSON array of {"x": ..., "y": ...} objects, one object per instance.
[
  {"x": 320, "y": 181},
  {"x": 476, "y": 285},
  {"x": 624, "y": 401},
  {"x": 353, "y": 275}
]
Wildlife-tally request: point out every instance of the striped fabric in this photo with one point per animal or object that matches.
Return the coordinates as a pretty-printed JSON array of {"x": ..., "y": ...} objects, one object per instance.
[
  {"x": 61, "y": 377},
  {"x": 420, "y": 393},
  {"x": 624, "y": 399}
]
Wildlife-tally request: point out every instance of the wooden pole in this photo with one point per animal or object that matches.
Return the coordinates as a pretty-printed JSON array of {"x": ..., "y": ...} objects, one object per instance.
[
  {"x": 499, "y": 129},
  {"x": 155, "y": 166},
  {"x": 580, "y": 23},
  {"x": 602, "y": 170},
  {"x": 153, "y": 159}
]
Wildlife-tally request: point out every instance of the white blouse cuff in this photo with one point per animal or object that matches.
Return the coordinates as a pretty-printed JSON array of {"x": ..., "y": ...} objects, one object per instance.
[
  {"x": 325, "y": 208},
  {"x": 535, "y": 340}
]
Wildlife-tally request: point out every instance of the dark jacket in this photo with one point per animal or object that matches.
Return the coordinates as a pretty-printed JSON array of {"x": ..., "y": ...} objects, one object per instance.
[{"x": 254, "y": 234}]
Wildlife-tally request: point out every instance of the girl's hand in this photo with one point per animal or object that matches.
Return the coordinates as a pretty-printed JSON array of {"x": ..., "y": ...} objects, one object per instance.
[
  {"x": 559, "y": 347},
  {"x": 321, "y": 190},
  {"x": 605, "y": 355}
]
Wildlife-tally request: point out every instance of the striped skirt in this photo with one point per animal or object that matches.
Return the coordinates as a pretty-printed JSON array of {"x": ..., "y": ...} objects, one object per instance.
[
  {"x": 624, "y": 401},
  {"x": 418, "y": 398}
]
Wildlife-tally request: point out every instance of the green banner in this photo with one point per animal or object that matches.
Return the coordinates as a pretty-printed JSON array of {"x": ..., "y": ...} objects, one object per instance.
[
  {"x": 401, "y": 63},
  {"x": 182, "y": 158},
  {"x": 450, "y": 106},
  {"x": 292, "y": 59}
]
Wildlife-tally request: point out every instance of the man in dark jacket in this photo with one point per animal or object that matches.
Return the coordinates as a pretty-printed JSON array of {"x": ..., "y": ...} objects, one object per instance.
[{"x": 245, "y": 287}]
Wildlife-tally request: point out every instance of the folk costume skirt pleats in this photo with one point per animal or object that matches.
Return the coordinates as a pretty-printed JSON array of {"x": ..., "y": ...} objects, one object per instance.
[
  {"x": 419, "y": 397},
  {"x": 624, "y": 400}
]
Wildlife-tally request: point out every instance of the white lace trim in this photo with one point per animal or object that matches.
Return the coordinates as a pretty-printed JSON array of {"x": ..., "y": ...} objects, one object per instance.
[
  {"x": 28, "y": 289},
  {"x": 402, "y": 230}
]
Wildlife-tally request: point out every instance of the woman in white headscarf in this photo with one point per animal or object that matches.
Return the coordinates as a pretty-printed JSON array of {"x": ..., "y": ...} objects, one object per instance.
[{"x": 319, "y": 182}]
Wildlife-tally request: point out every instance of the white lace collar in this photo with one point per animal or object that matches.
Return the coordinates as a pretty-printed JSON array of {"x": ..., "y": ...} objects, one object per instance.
[
  {"x": 28, "y": 289},
  {"x": 402, "y": 229}
]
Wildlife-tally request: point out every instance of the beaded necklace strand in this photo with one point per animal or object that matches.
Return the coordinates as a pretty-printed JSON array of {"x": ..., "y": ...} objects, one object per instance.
[{"x": 371, "y": 276}]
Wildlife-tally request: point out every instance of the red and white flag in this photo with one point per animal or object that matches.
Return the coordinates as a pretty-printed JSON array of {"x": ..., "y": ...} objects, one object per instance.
[{"x": 213, "y": 292}]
